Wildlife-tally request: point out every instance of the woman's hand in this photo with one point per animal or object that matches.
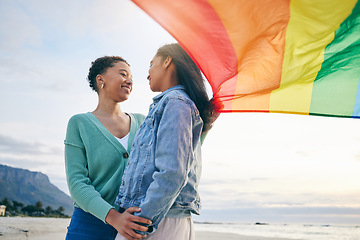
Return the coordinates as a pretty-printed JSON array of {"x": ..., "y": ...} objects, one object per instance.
[{"x": 125, "y": 223}]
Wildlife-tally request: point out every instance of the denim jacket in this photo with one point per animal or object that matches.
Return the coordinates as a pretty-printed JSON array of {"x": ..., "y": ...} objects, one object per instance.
[{"x": 164, "y": 166}]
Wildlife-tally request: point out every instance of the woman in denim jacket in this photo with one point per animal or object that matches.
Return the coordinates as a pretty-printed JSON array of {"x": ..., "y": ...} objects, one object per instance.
[{"x": 164, "y": 167}]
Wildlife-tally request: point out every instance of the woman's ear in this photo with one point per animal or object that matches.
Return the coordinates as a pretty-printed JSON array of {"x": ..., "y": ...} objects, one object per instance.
[
  {"x": 167, "y": 62},
  {"x": 99, "y": 81}
]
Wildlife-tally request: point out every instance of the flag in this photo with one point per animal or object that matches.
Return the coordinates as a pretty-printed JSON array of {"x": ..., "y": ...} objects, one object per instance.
[{"x": 299, "y": 56}]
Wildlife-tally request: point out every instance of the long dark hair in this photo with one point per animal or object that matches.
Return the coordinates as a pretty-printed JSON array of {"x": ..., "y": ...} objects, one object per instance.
[{"x": 189, "y": 76}]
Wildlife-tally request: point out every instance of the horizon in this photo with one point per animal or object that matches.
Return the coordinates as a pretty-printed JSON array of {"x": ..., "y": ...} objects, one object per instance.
[{"x": 253, "y": 216}]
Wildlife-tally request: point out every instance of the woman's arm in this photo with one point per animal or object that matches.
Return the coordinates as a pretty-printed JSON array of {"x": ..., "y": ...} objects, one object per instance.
[
  {"x": 82, "y": 192},
  {"x": 173, "y": 155}
]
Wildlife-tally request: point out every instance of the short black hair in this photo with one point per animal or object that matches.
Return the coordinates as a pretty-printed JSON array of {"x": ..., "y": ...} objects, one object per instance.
[{"x": 99, "y": 66}]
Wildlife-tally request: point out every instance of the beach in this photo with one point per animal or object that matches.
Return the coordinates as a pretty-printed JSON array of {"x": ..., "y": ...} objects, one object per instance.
[{"x": 20, "y": 228}]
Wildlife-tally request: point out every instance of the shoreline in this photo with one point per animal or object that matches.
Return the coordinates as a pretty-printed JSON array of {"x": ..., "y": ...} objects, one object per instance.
[
  {"x": 208, "y": 235},
  {"x": 33, "y": 228}
]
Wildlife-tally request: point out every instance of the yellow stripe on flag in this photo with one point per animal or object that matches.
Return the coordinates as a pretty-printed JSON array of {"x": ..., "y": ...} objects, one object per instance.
[{"x": 311, "y": 28}]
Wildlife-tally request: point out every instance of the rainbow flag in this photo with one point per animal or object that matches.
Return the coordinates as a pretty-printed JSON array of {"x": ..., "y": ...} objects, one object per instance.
[{"x": 298, "y": 56}]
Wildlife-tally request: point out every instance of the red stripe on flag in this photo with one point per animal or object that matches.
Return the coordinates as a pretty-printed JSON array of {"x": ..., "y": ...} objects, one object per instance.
[{"x": 197, "y": 27}]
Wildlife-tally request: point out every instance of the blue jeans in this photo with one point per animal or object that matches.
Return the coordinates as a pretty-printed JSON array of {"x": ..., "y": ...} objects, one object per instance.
[{"x": 84, "y": 225}]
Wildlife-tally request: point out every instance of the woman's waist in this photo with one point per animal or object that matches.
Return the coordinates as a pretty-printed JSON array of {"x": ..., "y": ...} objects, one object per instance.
[{"x": 180, "y": 208}]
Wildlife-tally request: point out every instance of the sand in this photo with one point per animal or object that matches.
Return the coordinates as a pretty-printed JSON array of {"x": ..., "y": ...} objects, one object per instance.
[
  {"x": 16, "y": 228},
  {"x": 20, "y": 228}
]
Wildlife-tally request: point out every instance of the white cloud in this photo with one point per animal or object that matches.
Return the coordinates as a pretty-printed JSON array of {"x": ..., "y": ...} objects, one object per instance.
[
  {"x": 283, "y": 215},
  {"x": 250, "y": 161},
  {"x": 17, "y": 29},
  {"x": 19, "y": 147}
]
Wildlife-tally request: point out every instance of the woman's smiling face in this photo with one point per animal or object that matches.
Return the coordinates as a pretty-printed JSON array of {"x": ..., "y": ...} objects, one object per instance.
[{"x": 118, "y": 81}]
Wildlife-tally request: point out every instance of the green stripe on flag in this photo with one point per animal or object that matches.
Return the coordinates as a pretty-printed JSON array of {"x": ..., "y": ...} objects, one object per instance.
[{"x": 336, "y": 85}]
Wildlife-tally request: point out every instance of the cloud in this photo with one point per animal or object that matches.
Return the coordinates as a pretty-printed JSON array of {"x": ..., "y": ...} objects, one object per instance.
[
  {"x": 73, "y": 22},
  {"x": 17, "y": 29},
  {"x": 26, "y": 162},
  {"x": 17, "y": 69},
  {"x": 19, "y": 147},
  {"x": 270, "y": 192},
  {"x": 324, "y": 215}
]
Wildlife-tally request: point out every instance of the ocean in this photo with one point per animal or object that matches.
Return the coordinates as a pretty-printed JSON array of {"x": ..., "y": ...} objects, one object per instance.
[
  {"x": 55, "y": 228},
  {"x": 290, "y": 231}
]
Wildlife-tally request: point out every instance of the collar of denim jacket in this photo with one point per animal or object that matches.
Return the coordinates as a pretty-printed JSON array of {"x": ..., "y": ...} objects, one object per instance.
[{"x": 177, "y": 87}]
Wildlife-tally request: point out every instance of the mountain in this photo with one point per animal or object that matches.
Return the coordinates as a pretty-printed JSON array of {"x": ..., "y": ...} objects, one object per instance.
[{"x": 28, "y": 187}]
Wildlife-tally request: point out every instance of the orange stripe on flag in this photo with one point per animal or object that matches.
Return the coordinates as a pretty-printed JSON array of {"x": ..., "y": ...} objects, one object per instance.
[{"x": 257, "y": 32}]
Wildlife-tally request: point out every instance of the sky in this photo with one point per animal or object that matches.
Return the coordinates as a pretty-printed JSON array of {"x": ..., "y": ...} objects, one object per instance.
[{"x": 263, "y": 167}]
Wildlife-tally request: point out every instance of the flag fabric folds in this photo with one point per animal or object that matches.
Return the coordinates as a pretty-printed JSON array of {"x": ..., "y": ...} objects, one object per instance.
[{"x": 298, "y": 56}]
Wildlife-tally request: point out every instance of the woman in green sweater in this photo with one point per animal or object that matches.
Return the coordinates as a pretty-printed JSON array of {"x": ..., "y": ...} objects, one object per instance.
[{"x": 97, "y": 147}]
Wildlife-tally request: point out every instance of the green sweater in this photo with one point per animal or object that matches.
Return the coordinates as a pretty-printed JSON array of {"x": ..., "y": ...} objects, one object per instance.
[{"x": 95, "y": 162}]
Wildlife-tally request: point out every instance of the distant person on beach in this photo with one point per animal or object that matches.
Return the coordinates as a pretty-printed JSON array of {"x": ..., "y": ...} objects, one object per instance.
[
  {"x": 97, "y": 148},
  {"x": 165, "y": 162}
]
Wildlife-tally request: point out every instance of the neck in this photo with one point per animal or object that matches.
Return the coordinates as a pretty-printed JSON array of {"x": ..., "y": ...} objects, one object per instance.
[
  {"x": 169, "y": 86},
  {"x": 170, "y": 79},
  {"x": 108, "y": 108}
]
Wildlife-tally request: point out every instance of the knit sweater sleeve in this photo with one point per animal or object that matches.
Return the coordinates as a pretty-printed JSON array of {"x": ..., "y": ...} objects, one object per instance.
[{"x": 76, "y": 165}]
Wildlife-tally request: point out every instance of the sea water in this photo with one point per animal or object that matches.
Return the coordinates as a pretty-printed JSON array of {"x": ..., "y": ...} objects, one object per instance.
[{"x": 290, "y": 231}]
